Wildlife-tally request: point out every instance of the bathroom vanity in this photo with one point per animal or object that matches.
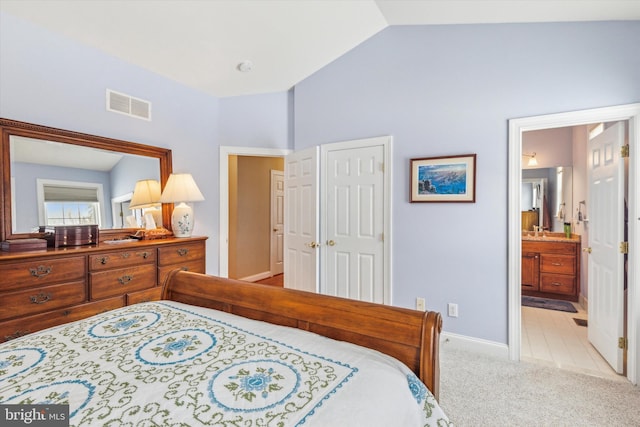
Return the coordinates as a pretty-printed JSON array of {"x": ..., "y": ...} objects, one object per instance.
[{"x": 551, "y": 266}]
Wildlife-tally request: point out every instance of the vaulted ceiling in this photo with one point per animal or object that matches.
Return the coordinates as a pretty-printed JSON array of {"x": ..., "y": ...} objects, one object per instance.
[{"x": 202, "y": 43}]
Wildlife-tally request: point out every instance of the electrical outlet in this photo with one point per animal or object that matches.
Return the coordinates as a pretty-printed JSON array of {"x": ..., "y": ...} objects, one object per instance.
[
  {"x": 452, "y": 309},
  {"x": 420, "y": 304}
]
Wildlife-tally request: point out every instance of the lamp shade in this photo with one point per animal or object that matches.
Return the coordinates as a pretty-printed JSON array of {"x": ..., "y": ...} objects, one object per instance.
[
  {"x": 146, "y": 194},
  {"x": 181, "y": 188}
]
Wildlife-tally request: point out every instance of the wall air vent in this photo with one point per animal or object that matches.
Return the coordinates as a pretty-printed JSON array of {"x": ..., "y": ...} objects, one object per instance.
[{"x": 126, "y": 104}]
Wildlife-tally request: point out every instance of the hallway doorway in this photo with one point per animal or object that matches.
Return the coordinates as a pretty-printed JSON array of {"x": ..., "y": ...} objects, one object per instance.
[{"x": 226, "y": 152}]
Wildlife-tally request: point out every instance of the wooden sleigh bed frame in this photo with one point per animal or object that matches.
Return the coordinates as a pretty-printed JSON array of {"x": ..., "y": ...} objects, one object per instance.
[{"x": 408, "y": 335}]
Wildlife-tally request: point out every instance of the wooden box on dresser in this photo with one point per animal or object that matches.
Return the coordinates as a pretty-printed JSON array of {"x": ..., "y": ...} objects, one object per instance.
[
  {"x": 41, "y": 289},
  {"x": 551, "y": 267}
]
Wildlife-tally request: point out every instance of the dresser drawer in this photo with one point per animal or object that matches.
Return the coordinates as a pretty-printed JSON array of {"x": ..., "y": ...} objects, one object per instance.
[
  {"x": 179, "y": 254},
  {"x": 23, "y": 326},
  {"x": 193, "y": 266},
  {"x": 23, "y": 274},
  {"x": 38, "y": 300},
  {"x": 557, "y": 284},
  {"x": 563, "y": 264},
  {"x": 110, "y": 283},
  {"x": 123, "y": 258},
  {"x": 550, "y": 247}
]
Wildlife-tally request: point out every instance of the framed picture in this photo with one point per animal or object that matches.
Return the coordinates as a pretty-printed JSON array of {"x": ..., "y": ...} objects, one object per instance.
[{"x": 443, "y": 179}]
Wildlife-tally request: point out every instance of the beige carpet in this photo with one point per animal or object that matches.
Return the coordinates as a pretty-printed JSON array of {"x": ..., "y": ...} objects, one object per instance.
[{"x": 480, "y": 390}]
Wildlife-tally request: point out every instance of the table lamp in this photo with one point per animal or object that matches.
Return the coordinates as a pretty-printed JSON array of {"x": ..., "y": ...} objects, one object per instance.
[
  {"x": 181, "y": 188},
  {"x": 146, "y": 196}
]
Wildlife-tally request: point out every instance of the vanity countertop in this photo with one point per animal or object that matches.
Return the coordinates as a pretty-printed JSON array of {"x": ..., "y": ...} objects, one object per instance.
[{"x": 549, "y": 237}]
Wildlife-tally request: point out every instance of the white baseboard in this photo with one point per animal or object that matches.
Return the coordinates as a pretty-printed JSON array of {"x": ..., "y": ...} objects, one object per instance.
[
  {"x": 477, "y": 345},
  {"x": 584, "y": 303},
  {"x": 256, "y": 277}
]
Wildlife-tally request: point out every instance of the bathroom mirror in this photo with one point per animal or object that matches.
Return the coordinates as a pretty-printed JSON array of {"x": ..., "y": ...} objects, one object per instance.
[
  {"x": 549, "y": 192},
  {"x": 34, "y": 157}
]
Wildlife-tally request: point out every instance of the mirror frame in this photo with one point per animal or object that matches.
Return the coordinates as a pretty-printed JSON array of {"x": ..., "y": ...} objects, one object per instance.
[{"x": 13, "y": 127}]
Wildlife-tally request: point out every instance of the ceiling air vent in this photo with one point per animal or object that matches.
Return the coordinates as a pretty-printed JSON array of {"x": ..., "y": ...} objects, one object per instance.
[{"x": 126, "y": 104}]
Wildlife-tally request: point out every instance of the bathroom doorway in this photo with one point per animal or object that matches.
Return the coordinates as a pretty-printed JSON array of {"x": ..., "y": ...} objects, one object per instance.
[
  {"x": 517, "y": 127},
  {"x": 562, "y": 339}
]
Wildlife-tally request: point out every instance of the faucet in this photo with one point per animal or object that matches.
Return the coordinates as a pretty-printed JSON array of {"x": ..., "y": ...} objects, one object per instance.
[{"x": 536, "y": 228}]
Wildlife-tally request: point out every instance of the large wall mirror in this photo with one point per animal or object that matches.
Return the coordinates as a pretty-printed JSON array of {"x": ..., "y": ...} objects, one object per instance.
[
  {"x": 547, "y": 197},
  {"x": 42, "y": 163}
]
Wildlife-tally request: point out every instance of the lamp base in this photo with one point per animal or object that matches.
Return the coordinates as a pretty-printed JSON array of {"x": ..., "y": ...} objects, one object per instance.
[{"x": 182, "y": 220}]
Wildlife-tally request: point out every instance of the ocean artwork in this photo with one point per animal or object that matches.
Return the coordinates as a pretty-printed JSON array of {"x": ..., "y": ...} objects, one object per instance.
[{"x": 442, "y": 179}]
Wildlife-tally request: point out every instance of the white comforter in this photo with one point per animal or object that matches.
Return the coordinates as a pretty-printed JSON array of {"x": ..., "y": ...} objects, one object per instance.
[{"x": 166, "y": 363}]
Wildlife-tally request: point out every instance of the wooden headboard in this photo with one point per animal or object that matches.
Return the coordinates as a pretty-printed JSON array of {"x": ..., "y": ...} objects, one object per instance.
[{"x": 408, "y": 335}]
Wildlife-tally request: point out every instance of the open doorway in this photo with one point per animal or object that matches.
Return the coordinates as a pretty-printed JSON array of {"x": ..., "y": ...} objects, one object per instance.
[
  {"x": 225, "y": 220},
  {"x": 516, "y": 129},
  {"x": 555, "y": 284},
  {"x": 251, "y": 233}
]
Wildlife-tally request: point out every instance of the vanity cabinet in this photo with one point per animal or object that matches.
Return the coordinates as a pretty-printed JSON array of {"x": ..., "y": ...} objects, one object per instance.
[
  {"x": 530, "y": 271},
  {"x": 551, "y": 268},
  {"x": 46, "y": 288}
]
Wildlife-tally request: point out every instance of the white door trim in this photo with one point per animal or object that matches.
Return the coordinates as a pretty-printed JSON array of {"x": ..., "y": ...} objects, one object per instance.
[
  {"x": 223, "y": 227},
  {"x": 276, "y": 254},
  {"x": 630, "y": 112}
]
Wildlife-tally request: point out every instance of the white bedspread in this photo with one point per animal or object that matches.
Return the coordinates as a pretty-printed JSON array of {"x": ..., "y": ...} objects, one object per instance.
[{"x": 165, "y": 363}]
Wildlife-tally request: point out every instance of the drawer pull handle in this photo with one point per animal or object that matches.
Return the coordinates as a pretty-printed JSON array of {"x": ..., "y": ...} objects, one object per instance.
[
  {"x": 125, "y": 279},
  {"x": 556, "y": 283},
  {"x": 557, "y": 264},
  {"x": 66, "y": 313},
  {"x": 125, "y": 255},
  {"x": 40, "y": 271},
  {"x": 41, "y": 298},
  {"x": 182, "y": 251},
  {"x": 104, "y": 260},
  {"x": 145, "y": 254}
]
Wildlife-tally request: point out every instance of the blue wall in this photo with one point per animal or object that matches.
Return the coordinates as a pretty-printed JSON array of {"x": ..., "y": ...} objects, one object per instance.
[
  {"x": 51, "y": 80},
  {"x": 442, "y": 90}
]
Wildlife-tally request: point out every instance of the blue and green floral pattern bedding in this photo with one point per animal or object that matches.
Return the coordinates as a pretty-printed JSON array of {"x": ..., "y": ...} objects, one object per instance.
[{"x": 165, "y": 363}]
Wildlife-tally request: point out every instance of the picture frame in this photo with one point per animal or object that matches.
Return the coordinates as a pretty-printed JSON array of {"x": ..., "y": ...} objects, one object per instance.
[{"x": 443, "y": 179}]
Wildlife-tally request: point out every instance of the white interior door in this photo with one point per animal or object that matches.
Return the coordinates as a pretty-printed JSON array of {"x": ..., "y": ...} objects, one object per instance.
[
  {"x": 605, "y": 172},
  {"x": 353, "y": 221},
  {"x": 277, "y": 222},
  {"x": 301, "y": 253}
]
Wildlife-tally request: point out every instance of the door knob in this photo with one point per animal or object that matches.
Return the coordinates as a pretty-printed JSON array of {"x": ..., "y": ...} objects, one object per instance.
[
  {"x": 313, "y": 245},
  {"x": 331, "y": 243},
  {"x": 587, "y": 250}
]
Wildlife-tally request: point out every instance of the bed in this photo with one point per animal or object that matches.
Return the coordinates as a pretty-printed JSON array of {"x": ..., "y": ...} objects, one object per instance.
[{"x": 223, "y": 352}]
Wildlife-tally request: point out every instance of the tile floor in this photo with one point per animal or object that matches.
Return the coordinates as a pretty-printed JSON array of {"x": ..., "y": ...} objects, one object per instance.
[{"x": 553, "y": 338}]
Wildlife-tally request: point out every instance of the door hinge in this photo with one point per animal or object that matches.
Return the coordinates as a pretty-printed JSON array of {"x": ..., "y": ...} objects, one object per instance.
[
  {"x": 623, "y": 343},
  {"x": 624, "y": 151},
  {"x": 624, "y": 247}
]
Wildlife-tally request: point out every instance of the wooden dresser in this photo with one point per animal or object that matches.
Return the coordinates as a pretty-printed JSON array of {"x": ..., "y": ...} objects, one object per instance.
[
  {"x": 551, "y": 268},
  {"x": 46, "y": 288}
]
